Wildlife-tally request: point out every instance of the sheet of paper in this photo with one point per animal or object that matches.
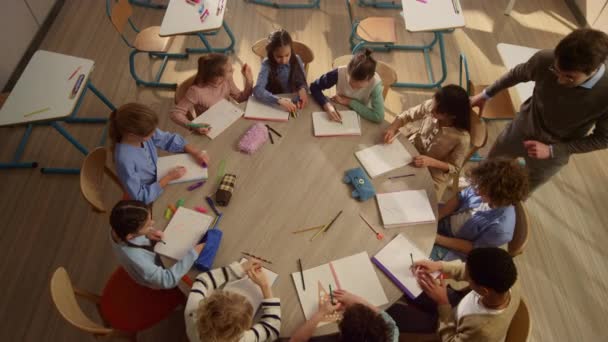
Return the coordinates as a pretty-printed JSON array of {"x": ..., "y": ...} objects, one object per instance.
[
  {"x": 249, "y": 289},
  {"x": 257, "y": 110},
  {"x": 184, "y": 231},
  {"x": 324, "y": 127},
  {"x": 395, "y": 261},
  {"x": 194, "y": 171},
  {"x": 382, "y": 158},
  {"x": 405, "y": 208},
  {"x": 220, "y": 116},
  {"x": 309, "y": 298}
]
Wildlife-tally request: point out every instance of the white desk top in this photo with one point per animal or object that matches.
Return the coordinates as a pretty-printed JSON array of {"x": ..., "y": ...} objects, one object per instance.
[
  {"x": 512, "y": 55},
  {"x": 183, "y": 18},
  {"x": 434, "y": 15},
  {"x": 44, "y": 84}
]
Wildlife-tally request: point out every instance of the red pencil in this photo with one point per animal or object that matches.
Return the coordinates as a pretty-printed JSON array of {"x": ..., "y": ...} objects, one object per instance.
[{"x": 74, "y": 73}]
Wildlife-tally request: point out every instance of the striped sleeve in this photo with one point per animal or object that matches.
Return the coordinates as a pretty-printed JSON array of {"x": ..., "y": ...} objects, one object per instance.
[
  {"x": 207, "y": 282},
  {"x": 269, "y": 326}
]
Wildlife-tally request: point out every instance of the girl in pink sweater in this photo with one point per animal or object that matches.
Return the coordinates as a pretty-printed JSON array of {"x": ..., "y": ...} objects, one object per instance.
[{"x": 213, "y": 82}]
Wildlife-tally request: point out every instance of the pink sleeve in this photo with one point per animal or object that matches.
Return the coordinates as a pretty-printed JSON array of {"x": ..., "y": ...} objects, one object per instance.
[
  {"x": 179, "y": 113},
  {"x": 239, "y": 95}
]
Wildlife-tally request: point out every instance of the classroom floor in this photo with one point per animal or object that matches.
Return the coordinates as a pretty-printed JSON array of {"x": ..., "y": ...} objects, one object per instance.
[{"x": 48, "y": 224}]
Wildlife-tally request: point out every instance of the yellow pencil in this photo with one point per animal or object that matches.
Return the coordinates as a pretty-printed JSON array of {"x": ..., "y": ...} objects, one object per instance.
[
  {"x": 38, "y": 111},
  {"x": 307, "y": 229}
]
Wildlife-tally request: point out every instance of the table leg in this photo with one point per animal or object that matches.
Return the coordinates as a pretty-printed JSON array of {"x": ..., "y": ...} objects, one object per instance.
[
  {"x": 208, "y": 48},
  {"x": 380, "y": 4},
  {"x": 15, "y": 164},
  {"x": 74, "y": 142},
  {"x": 425, "y": 50},
  {"x": 310, "y": 4},
  {"x": 73, "y": 119}
]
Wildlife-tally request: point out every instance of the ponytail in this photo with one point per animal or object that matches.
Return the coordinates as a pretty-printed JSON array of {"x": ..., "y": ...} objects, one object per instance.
[
  {"x": 131, "y": 118},
  {"x": 128, "y": 217},
  {"x": 362, "y": 66},
  {"x": 210, "y": 67}
]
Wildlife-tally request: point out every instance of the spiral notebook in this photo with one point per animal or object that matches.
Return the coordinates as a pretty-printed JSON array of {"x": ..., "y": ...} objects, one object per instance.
[
  {"x": 257, "y": 110},
  {"x": 382, "y": 158},
  {"x": 219, "y": 116},
  {"x": 185, "y": 230},
  {"x": 405, "y": 208},
  {"x": 194, "y": 171},
  {"x": 324, "y": 127}
]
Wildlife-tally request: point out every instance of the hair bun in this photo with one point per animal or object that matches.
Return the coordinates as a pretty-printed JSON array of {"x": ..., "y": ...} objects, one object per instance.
[{"x": 367, "y": 52}]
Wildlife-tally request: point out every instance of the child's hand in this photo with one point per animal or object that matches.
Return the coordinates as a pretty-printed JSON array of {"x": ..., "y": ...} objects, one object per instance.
[
  {"x": 328, "y": 308},
  {"x": 155, "y": 235},
  {"x": 346, "y": 298},
  {"x": 343, "y": 100},
  {"x": 199, "y": 248},
  {"x": 287, "y": 105},
  {"x": 303, "y": 98},
  {"x": 247, "y": 73},
  {"x": 427, "y": 266},
  {"x": 436, "y": 291},
  {"x": 390, "y": 134},
  {"x": 202, "y": 130},
  {"x": 422, "y": 161},
  {"x": 332, "y": 112},
  {"x": 177, "y": 172},
  {"x": 258, "y": 276},
  {"x": 251, "y": 264},
  {"x": 201, "y": 157}
]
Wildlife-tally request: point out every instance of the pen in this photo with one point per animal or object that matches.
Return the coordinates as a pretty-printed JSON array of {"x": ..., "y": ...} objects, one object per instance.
[
  {"x": 331, "y": 295},
  {"x": 301, "y": 274}
]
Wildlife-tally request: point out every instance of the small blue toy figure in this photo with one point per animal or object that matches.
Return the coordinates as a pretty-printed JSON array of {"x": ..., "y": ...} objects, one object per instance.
[{"x": 364, "y": 189}]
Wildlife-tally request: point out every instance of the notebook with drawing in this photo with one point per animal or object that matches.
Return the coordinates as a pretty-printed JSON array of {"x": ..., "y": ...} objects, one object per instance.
[
  {"x": 382, "y": 158},
  {"x": 405, "y": 208},
  {"x": 395, "y": 261},
  {"x": 257, "y": 110},
  {"x": 354, "y": 273},
  {"x": 324, "y": 127},
  {"x": 194, "y": 171},
  {"x": 249, "y": 289},
  {"x": 219, "y": 116},
  {"x": 185, "y": 230}
]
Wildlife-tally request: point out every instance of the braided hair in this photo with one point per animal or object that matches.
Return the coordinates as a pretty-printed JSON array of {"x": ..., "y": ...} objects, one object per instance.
[
  {"x": 128, "y": 217},
  {"x": 276, "y": 40}
]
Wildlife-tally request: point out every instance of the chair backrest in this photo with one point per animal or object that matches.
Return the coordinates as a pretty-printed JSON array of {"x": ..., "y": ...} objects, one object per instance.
[
  {"x": 182, "y": 88},
  {"x": 63, "y": 295},
  {"x": 521, "y": 232},
  {"x": 521, "y": 325},
  {"x": 120, "y": 14},
  {"x": 387, "y": 73},
  {"x": 349, "y": 8},
  {"x": 478, "y": 131},
  {"x": 301, "y": 49},
  {"x": 91, "y": 177}
]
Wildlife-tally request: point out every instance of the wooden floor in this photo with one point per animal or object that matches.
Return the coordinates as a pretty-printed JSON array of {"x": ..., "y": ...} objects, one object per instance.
[{"x": 47, "y": 224}]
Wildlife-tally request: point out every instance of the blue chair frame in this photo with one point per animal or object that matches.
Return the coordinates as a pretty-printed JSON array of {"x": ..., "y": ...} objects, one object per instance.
[
  {"x": 148, "y": 4},
  {"x": 208, "y": 48},
  {"x": 156, "y": 54},
  {"x": 310, "y": 4},
  {"x": 357, "y": 43},
  {"x": 395, "y": 4}
]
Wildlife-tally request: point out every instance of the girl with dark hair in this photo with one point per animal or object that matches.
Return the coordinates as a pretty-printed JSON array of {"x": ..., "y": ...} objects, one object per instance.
[
  {"x": 442, "y": 138},
  {"x": 135, "y": 137},
  {"x": 213, "y": 81},
  {"x": 282, "y": 72},
  {"x": 133, "y": 237},
  {"x": 358, "y": 86}
]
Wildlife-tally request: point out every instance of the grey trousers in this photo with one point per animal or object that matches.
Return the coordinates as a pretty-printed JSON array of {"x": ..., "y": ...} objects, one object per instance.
[{"x": 510, "y": 144}]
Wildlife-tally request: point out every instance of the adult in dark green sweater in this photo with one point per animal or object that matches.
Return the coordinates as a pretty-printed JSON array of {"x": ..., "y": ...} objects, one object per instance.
[{"x": 568, "y": 111}]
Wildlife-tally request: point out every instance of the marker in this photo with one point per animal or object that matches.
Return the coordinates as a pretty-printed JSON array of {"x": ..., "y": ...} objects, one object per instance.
[
  {"x": 331, "y": 295},
  {"x": 204, "y": 15},
  {"x": 168, "y": 213},
  {"x": 412, "y": 258},
  {"x": 212, "y": 205},
  {"x": 74, "y": 73},
  {"x": 37, "y": 111},
  {"x": 172, "y": 208},
  {"x": 219, "y": 8},
  {"x": 77, "y": 86},
  {"x": 301, "y": 274},
  {"x": 456, "y": 7},
  {"x": 201, "y": 209},
  {"x": 180, "y": 203},
  {"x": 196, "y": 185},
  {"x": 273, "y": 131},
  {"x": 401, "y": 176}
]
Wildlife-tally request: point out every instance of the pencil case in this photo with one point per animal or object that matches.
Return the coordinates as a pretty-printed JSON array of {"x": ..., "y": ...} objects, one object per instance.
[
  {"x": 224, "y": 191},
  {"x": 363, "y": 187},
  {"x": 254, "y": 138},
  {"x": 212, "y": 240}
]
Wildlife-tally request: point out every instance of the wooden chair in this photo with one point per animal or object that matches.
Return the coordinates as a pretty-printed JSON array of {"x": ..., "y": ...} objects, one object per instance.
[
  {"x": 387, "y": 74},
  {"x": 147, "y": 41},
  {"x": 91, "y": 178},
  {"x": 521, "y": 324},
  {"x": 182, "y": 88},
  {"x": 520, "y": 234},
  {"x": 301, "y": 49},
  {"x": 377, "y": 33},
  {"x": 499, "y": 107},
  {"x": 479, "y": 138}
]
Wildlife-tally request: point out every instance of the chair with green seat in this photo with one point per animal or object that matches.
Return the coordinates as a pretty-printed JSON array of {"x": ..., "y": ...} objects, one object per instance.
[{"x": 146, "y": 41}]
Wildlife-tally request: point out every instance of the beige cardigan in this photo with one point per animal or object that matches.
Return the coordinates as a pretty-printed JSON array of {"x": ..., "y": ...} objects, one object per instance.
[
  {"x": 487, "y": 328},
  {"x": 447, "y": 144}
]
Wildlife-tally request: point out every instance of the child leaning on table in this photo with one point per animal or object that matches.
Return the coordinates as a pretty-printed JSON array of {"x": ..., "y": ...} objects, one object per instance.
[
  {"x": 135, "y": 137},
  {"x": 216, "y": 315}
]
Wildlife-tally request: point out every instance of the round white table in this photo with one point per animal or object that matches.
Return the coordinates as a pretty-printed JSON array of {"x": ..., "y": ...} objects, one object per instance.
[{"x": 297, "y": 183}]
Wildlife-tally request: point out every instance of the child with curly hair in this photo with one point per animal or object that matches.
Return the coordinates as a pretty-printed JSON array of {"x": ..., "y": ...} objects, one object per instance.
[{"x": 483, "y": 214}]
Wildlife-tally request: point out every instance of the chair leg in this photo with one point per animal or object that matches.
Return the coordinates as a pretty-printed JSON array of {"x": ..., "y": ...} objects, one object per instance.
[
  {"x": 380, "y": 4},
  {"x": 154, "y": 84},
  {"x": 208, "y": 48}
]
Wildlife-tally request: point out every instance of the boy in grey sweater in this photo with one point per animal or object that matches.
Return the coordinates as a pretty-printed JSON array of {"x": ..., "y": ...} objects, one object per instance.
[{"x": 568, "y": 111}]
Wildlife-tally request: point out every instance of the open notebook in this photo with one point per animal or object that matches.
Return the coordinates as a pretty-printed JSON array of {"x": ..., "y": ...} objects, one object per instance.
[
  {"x": 257, "y": 110},
  {"x": 395, "y": 261},
  {"x": 185, "y": 230},
  {"x": 219, "y": 116},
  {"x": 405, "y": 208},
  {"x": 383, "y": 158},
  {"x": 324, "y": 127},
  {"x": 354, "y": 273},
  {"x": 194, "y": 171},
  {"x": 249, "y": 289}
]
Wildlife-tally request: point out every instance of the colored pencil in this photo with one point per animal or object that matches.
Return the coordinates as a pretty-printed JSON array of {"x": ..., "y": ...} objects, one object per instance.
[
  {"x": 256, "y": 257},
  {"x": 307, "y": 229},
  {"x": 74, "y": 73},
  {"x": 301, "y": 274},
  {"x": 401, "y": 176}
]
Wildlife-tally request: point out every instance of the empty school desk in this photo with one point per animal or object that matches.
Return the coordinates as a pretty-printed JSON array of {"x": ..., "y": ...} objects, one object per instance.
[
  {"x": 182, "y": 18},
  {"x": 512, "y": 55},
  {"x": 297, "y": 183},
  {"x": 43, "y": 96},
  {"x": 432, "y": 16}
]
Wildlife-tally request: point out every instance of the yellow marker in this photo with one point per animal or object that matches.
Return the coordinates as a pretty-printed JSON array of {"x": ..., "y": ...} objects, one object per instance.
[{"x": 38, "y": 111}]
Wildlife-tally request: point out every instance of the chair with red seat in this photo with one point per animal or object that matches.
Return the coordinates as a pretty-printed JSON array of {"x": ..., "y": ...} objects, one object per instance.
[{"x": 125, "y": 306}]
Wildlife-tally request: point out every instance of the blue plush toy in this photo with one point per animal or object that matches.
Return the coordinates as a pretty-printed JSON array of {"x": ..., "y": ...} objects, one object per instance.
[{"x": 364, "y": 189}]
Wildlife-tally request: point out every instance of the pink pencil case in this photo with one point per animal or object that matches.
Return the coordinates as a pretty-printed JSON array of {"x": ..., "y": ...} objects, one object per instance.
[{"x": 254, "y": 138}]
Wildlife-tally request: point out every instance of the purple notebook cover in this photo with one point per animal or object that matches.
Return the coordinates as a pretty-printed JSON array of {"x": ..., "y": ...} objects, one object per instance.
[{"x": 393, "y": 278}]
